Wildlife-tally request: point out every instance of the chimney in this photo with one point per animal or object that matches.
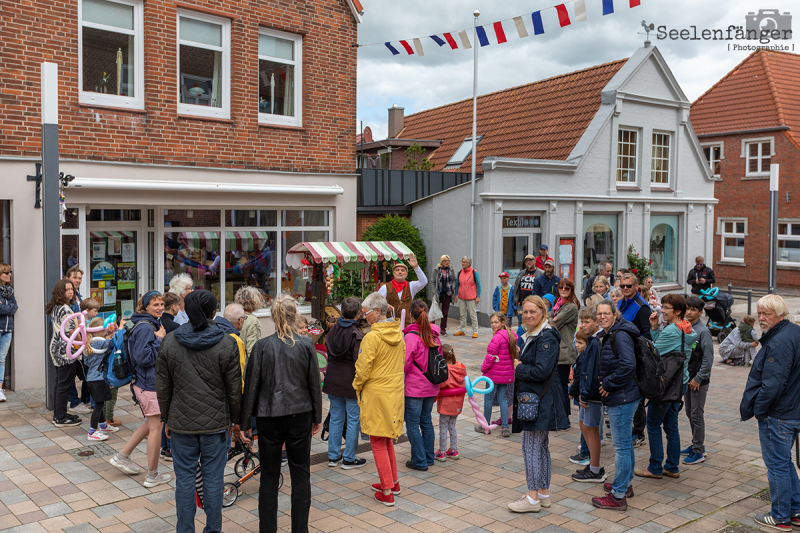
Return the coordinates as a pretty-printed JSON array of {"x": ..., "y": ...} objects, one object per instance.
[{"x": 395, "y": 120}]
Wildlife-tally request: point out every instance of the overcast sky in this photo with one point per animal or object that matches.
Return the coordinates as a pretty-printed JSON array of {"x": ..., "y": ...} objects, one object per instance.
[{"x": 444, "y": 75}]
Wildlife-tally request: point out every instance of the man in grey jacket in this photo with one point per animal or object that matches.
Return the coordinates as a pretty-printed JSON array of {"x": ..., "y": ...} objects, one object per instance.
[{"x": 700, "y": 364}]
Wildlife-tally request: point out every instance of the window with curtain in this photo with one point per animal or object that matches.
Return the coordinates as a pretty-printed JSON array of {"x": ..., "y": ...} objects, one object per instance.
[
  {"x": 203, "y": 56},
  {"x": 110, "y": 52},
  {"x": 664, "y": 248},
  {"x": 279, "y": 79}
]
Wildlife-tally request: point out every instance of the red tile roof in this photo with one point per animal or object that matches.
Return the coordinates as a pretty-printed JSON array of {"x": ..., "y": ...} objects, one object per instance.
[
  {"x": 761, "y": 92},
  {"x": 540, "y": 120}
]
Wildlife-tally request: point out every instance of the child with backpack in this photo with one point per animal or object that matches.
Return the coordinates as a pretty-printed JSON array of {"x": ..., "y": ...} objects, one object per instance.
[
  {"x": 449, "y": 407},
  {"x": 96, "y": 350},
  {"x": 499, "y": 367}
]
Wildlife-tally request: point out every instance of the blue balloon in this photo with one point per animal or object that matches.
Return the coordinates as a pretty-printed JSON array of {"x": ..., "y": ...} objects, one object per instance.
[
  {"x": 469, "y": 384},
  {"x": 110, "y": 320}
]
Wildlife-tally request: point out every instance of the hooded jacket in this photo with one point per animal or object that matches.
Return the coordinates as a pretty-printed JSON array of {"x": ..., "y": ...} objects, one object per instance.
[
  {"x": 544, "y": 285},
  {"x": 694, "y": 276},
  {"x": 199, "y": 380},
  {"x": 379, "y": 380},
  {"x": 566, "y": 322},
  {"x": 144, "y": 346},
  {"x": 452, "y": 405},
  {"x": 8, "y": 306},
  {"x": 511, "y": 308},
  {"x": 416, "y": 384},
  {"x": 343, "y": 342},
  {"x": 502, "y": 370},
  {"x": 636, "y": 311},
  {"x": 706, "y": 345},
  {"x": 281, "y": 379},
  {"x": 586, "y": 386},
  {"x": 226, "y": 326},
  {"x": 669, "y": 340},
  {"x": 773, "y": 385},
  {"x": 617, "y": 373}
]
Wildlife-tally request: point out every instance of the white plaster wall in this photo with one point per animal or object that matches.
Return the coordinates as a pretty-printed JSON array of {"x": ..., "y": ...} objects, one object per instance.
[{"x": 649, "y": 81}]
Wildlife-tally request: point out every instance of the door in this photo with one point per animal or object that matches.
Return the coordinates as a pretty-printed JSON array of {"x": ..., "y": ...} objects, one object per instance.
[
  {"x": 114, "y": 269},
  {"x": 515, "y": 247}
]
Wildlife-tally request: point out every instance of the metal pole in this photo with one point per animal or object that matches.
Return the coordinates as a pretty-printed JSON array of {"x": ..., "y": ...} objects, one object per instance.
[
  {"x": 50, "y": 211},
  {"x": 749, "y": 300},
  {"x": 773, "y": 226},
  {"x": 476, "y": 14}
]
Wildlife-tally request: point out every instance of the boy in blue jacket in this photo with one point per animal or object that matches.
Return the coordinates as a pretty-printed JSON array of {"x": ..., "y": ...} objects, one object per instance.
[
  {"x": 503, "y": 298},
  {"x": 586, "y": 388}
]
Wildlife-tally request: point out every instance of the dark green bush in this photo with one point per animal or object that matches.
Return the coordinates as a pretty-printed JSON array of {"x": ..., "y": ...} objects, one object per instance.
[{"x": 397, "y": 228}]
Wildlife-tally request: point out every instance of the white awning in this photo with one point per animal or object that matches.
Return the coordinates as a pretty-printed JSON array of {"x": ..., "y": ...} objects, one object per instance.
[{"x": 195, "y": 186}]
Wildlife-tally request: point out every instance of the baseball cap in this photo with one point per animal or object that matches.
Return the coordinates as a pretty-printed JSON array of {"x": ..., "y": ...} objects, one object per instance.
[
  {"x": 503, "y": 274},
  {"x": 550, "y": 262},
  {"x": 543, "y": 247},
  {"x": 529, "y": 256}
]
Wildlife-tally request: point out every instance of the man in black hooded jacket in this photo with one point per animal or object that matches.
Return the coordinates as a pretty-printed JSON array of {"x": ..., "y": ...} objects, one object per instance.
[{"x": 199, "y": 388}]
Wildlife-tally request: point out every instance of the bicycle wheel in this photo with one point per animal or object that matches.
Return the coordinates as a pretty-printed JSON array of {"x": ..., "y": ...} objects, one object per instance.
[
  {"x": 280, "y": 481},
  {"x": 245, "y": 465},
  {"x": 229, "y": 494}
]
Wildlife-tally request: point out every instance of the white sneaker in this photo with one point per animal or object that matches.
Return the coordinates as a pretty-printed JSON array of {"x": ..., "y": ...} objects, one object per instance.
[
  {"x": 97, "y": 436},
  {"x": 160, "y": 479},
  {"x": 2, "y": 395},
  {"x": 126, "y": 465},
  {"x": 80, "y": 409},
  {"x": 108, "y": 429}
]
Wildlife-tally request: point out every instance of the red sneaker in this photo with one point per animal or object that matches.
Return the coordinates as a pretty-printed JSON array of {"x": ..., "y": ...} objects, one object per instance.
[
  {"x": 388, "y": 501},
  {"x": 628, "y": 493},
  {"x": 610, "y": 502},
  {"x": 395, "y": 490}
]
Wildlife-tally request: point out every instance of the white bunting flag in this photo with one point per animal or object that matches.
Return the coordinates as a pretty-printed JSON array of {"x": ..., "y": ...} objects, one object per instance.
[
  {"x": 418, "y": 47},
  {"x": 464, "y": 39},
  {"x": 521, "y": 30},
  {"x": 580, "y": 10}
]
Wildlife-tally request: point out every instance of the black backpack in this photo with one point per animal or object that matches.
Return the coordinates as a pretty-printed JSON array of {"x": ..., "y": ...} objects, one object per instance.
[
  {"x": 696, "y": 361},
  {"x": 650, "y": 368},
  {"x": 437, "y": 372},
  {"x": 673, "y": 375}
]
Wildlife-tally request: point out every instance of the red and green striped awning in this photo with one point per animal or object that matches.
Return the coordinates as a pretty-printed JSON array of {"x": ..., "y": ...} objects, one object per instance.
[
  {"x": 348, "y": 252},
  {"x": 245, "y": 241},
  {"x": 106, "y": 234},
  {"x": 197, "y": 240}
]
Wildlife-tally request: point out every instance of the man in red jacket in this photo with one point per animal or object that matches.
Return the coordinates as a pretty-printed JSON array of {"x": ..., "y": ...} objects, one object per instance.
[{"x": 542, "y": 257}]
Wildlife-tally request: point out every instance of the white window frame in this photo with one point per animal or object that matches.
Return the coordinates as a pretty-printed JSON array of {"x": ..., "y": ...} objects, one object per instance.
[
  {"x": 113, "y": 100},
  {"x": 635, "y": 168},
  {"x": 223, "y": 112},
  {"x": 730, "y": 235},
  {"x": 710, "y": 159},
  {"x": 746, "y": 154},
  {"x": 789, "y": 237},
  {"x": 283, "y": 120},
  {"x": 667, "y": 160}
]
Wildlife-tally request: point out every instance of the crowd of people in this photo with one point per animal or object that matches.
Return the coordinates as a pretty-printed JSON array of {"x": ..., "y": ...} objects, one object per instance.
[{"x": 202, "y": 378}]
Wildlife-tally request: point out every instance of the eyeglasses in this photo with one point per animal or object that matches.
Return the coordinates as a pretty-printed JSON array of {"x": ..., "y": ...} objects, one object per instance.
[
  {"x": 365, "y": 314},
  {"x": 667, "y": 308},
  {"x": 605, "y": 314},
  {"x": 621, "y": 286},
  {"x": 9, "y": 272},
  {"x": 563, "y": 288}
]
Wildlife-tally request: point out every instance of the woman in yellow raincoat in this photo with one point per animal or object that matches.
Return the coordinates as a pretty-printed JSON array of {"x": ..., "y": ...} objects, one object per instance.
[{"x": 380, "y": 389}]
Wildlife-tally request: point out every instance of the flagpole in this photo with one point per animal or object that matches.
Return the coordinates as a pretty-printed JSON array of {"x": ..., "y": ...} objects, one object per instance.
[{"x": 476, "y": 14}]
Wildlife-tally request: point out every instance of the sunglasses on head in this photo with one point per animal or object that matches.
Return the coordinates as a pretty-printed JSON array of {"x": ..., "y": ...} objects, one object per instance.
[{"x": 625, "y": 286}]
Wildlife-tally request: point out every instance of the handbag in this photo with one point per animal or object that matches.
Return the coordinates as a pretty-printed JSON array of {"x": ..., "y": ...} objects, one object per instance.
[
  {"x": 528, "y": 402},
  {"x": 435, "y": 312}
]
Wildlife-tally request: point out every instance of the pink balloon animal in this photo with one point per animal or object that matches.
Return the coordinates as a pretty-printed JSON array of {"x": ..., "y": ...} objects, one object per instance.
[
  {"x": 79, "y": 334},
  {"x": 470, "y": 390}
]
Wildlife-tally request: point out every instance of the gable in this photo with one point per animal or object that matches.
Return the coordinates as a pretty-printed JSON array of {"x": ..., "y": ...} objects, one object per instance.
[{"x": 650, "y": 80}]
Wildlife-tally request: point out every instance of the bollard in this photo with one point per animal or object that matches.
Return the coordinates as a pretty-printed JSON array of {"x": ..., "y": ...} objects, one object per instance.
[
  {"x": 730, "y": 292},
  {"x": 749, "y": 300}
]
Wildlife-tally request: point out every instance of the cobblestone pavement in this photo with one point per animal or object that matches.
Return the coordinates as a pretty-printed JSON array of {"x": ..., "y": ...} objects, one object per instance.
[{"x": 46, "y": 486}]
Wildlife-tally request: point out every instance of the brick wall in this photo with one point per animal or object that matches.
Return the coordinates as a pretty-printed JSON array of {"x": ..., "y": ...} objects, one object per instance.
[
  {"x": 363, "y": 223},
  {"x": 750, "y": 198},
  {"x": 39, "y": 30}
]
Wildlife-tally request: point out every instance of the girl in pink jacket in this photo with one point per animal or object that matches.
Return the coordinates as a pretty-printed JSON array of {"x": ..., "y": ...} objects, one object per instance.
[{"x": 499, "y": 367}]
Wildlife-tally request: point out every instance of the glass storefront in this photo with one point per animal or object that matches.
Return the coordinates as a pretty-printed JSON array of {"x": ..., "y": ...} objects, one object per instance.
[
  {"x": 664, "y": 248},
  {"x": 599, "y": 242},
  {"x": 521, "y": 236},
  {"x": 113, "y": 271}
]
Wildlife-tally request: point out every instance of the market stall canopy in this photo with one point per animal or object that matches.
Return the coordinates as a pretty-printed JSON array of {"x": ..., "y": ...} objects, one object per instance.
[{"x": 347, "y": 252}]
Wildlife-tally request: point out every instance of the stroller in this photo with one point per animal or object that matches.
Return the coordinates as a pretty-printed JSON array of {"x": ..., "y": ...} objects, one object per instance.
[{"x": 718, "y": 308}]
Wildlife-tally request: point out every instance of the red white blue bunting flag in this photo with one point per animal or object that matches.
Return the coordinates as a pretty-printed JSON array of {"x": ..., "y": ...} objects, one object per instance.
[{"x": 414, "y": 45}]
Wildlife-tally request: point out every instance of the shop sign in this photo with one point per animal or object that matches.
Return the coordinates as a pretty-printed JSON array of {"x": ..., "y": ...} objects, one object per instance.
[{"x": 518, "y": 222}]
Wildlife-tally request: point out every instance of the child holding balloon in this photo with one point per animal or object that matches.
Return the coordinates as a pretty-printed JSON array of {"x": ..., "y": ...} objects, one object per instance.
[
  {"x": 449, "y": 407},
  {"x": 96, "y": 352},
  {"x": 499, "y": 367}
]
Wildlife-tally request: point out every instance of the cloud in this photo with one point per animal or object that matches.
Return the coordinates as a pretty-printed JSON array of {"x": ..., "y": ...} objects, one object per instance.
[{"x": 444, "y": 76}]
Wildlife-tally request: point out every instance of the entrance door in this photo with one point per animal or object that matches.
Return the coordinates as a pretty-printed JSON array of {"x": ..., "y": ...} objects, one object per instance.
[
  {"x": 114, "y": 269},
  {"x": 515, "y": 247}
]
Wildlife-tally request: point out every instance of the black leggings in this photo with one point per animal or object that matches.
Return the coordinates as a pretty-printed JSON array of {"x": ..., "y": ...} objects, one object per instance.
[{"x": 97, "y": 415}]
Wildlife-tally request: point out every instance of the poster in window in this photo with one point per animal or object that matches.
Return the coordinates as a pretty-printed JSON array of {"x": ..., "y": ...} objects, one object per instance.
[
  {"x": 110, "y": 296},
  {"x": 126, "y": 276},
  {"x": 103, "y": 271},
  {"x": 129, "y": 252},
  {"x": 97, "y": 294},
  {"x": 126, "y": 309},
  {"x": 98, "y": 250},
  {"x": 115, "y": 246}
]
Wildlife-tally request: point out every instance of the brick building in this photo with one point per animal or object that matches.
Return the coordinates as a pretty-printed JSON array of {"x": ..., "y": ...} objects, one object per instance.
[
  {"x": 205, "y": 136},
  {"x": 745, "y": 122}
]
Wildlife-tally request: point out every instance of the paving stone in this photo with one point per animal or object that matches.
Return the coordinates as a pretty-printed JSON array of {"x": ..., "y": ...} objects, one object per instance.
[
  {"x": 56, "y": 509},
  {"x": 151, "y": 525}
]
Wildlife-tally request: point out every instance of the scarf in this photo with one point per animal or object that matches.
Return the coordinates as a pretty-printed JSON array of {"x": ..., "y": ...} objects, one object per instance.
[
  {"x": 199, "y": 306},
  {"x": 6, "y": 291},
  {"x": 399, "y": 287},
  {"x": 561, "y": 301},
  {"x": 444, "y": 284}
]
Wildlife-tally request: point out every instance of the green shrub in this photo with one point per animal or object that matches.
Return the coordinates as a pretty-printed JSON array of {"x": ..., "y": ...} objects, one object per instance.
[{"x": 397, "y": 228}]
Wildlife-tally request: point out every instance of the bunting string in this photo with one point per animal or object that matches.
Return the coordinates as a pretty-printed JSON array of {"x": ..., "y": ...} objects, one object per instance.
[{"x": 414, "y": 46}]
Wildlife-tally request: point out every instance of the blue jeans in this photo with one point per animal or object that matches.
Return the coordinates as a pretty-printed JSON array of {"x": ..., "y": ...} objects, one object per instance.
[
  {"x": 343, "y": 410},
  {"x": 5, "y": 344},
  {"x": 584, "y": 452},
  {"x": 420, "y": 430},
  {"x": 669, "y": 419},
  {"x": 621, "y": 419},
  {"x": 777, "y": 440},
  {"x": 502, "y": 399},
  {"x": 165, "y": 442},
  {"x": 211, "y": 449}
]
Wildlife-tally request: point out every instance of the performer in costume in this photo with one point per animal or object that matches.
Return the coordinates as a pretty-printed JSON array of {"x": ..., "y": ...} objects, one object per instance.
[{"x": 399, "y": 292}]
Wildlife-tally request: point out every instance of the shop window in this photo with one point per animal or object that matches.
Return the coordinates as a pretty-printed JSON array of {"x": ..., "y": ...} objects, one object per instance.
[
  {"x": 70, "y": 218},
  {"x": 599, "y": 242},
  {"x": 279, "y": 78},
  {"x": 515, "y": 248},
  {"x": 113, "y": 271},
  {"x": 191, "y": 218},
  {"x": 659, "y": 161},
  {"x": 5, "y": 231},
  {"x": 251, "y": 259},
  {"x": 204, "y": 65},
  {"x": 251, "y": 218},
  {"x": 293, "y": 280},
  {"x": 758, "y": 157},
  {"x": 196, "y": 253},
  {"x": 626, "y": 156},
  {"x": 113, "y": 215},
  {"x": 733, "y": 233},
  {"x": 664, "y": 248},
  {"x": 305, "y": 218},
  {"x": 69, "y": 252},
  {"x": 111, "y": 59},
  {"x": 713, "y": 153},
  {"x": 789, "y": 243}
]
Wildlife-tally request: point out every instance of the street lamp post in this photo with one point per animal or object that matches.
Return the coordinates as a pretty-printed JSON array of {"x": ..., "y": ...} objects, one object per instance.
[
  {"x": 774, "y": 172},
  {"x": 476, "y": 14}
]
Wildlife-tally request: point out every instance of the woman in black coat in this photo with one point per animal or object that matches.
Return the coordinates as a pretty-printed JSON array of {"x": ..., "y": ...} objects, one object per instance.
[{"x": 535, "y": 372}]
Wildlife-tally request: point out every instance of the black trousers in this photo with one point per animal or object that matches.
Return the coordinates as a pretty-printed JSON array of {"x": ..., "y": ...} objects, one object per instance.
[
  {"x": 295, "y": 432},
  {"x": 563, "y": 377},
  {"x": 640, "y": 421},
  {"x": 65, "y": 380}
]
